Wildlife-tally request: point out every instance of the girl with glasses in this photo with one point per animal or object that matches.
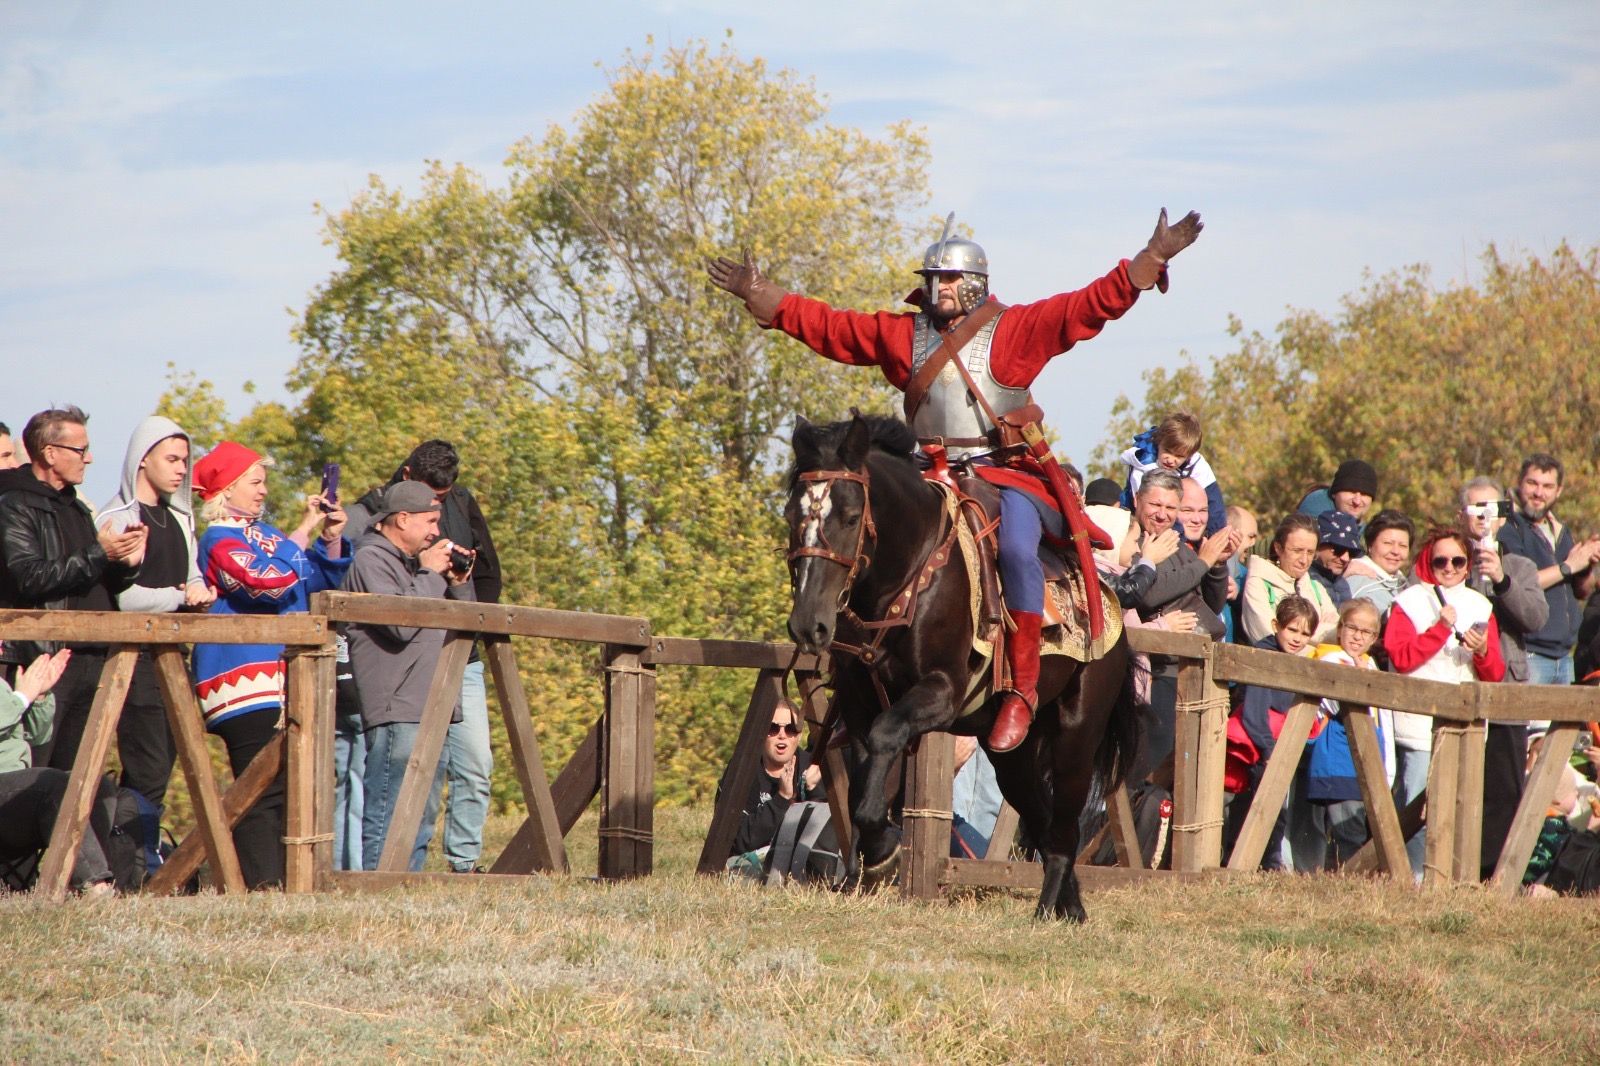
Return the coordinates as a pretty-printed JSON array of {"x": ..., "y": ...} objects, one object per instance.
[{"x": 1440, "y": 629}]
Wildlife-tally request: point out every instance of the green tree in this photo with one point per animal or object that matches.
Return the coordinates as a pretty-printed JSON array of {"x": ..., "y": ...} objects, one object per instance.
[
  {"x": 1430, "y": 385},
  {"x": 620, "y": 420}
]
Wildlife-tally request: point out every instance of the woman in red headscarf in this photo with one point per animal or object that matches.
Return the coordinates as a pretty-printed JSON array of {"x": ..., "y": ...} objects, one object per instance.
[{"x": 1442, "y": 630}]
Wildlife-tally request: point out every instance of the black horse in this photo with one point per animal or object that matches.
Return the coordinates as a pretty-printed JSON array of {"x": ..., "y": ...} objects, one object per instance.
[{"x": 867, "y": 541}]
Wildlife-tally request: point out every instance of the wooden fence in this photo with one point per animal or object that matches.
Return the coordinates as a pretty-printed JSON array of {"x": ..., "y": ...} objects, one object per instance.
[{"x": 615, "y": 761}]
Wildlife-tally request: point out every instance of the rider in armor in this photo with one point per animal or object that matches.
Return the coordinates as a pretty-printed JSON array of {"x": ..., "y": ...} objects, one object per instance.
[{"x": 954, "y": 412}]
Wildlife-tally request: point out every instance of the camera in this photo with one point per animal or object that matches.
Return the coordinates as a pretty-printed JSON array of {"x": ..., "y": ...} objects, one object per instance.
[
  {"x": 460, "y": 559},
  {"x": 1489, "y": 509}
]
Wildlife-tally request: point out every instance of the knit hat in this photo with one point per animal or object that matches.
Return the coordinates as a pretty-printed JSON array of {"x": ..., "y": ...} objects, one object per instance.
[
  {"x": 406, "y": 497},
  {"x": 222, "y": 466},
  {"x": 1102, "y": 490},
  {"x": 1340, "y": 530},
  {"x": 1355, "y": 475}
]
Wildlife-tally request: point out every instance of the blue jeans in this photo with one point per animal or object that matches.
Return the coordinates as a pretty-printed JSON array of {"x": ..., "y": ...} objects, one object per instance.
[
  {"x": 1411, "y": 781},
  {"x": 468, "y": 763},
  {"x": 388, "y": 748},
  {"x": 1543, "y": 670},
  {"x": 349, "y": 766}
]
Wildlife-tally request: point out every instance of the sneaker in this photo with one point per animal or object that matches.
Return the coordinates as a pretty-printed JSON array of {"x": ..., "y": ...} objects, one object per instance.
[{"x": 473, "y": 869}]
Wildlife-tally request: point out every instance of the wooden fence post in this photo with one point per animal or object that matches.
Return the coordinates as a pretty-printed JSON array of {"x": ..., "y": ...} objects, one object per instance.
[
  {"x": 627, "y": 782},
  {"x": 325, "y": 798},
  {"x": 55, "y": 875},
  {"x": 1536, "y": 796},
  {"x": 301, "y": 727},
  {"x": 184, "y": 717},
  {"x": 1468, "y": 863},
  {"x": 1197, "y": 767},
  {"x": 926, "y": 816},
  {"x": 1444, "y": 769}
]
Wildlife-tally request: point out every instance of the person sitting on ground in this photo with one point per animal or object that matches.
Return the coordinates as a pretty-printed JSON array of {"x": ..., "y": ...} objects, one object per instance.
[
  {"x": 1174, "y": 446},
  {"x": 1338, "y": 542},
  {"x": 30, "y": 796},
  {"x": 787, "y": 776},
  {"x": 1354, "y": 486},
  {"x": 1256, "y": 722},
  {"x": 1332, "y": 787},
  {"x": 1379, "y": 575},
  {"x": 1286, "y": 573},
  {"x": 1566, "y": 857}
]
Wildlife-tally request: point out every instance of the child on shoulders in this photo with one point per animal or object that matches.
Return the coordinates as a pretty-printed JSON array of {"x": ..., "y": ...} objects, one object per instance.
[{"x": 1174, "y": 445}]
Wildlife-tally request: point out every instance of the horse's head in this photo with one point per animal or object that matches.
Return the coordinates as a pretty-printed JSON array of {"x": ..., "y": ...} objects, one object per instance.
[{"x": 831, "y": 532}]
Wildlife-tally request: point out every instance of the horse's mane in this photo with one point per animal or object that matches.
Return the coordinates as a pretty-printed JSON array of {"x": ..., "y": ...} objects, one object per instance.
[{"x": 817, "y": 443}]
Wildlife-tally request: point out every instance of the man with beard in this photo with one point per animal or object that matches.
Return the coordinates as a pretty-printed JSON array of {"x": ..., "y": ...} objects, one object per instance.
[{"x": 1565, "y": 568}]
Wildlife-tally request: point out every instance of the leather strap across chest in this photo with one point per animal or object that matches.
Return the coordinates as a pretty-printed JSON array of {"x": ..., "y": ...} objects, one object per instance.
[{"x": 950, "y": 345}]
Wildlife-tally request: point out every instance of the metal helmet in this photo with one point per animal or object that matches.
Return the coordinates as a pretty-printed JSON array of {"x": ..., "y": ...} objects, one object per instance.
[{"x": 956, "y": 255}]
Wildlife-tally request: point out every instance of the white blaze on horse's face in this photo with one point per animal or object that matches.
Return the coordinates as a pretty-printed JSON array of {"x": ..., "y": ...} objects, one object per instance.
[{"x": 814, "y": 510}]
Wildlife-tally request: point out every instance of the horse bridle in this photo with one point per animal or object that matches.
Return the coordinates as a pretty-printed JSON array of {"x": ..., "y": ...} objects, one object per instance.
[{"x": 858, "y": 559}]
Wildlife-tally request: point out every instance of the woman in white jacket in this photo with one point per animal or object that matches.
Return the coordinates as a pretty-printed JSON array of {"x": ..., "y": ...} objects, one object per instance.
[{"x": 1442, "y": 630}]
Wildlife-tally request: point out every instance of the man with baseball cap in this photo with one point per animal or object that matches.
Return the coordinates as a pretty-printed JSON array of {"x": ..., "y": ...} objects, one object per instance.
[
  {"x": 401, "y": 554},
  {"x": 1338, "y": 541}
]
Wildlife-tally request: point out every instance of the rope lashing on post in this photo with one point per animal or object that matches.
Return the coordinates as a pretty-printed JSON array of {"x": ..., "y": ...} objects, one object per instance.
[
  {"x": 928, "y": 812},
  {"x": 638, "y": 836},
  {"x": 319, "y": 838},
  {"x": 1202, "y": 706}
]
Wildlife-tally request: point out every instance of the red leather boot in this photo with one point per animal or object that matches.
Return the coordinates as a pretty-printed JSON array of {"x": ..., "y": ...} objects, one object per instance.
[{"x": 1016, "y": 707}]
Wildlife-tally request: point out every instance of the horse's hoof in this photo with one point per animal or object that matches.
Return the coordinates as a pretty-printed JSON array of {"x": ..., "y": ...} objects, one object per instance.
[{"x": 883, "y": 873}]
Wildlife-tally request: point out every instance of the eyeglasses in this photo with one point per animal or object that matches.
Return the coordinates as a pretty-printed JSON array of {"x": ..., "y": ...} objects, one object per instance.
[
  {"x": 1338, "y": 549},
  {"x": 1448, "y": 562},
  {"x": 83, "y": 451},
  {"x": 788, "y": 728},
  {"x": 1359, "y": 631}
]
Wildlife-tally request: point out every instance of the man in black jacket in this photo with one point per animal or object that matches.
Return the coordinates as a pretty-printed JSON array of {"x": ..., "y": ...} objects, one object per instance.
[
  {"x": 469, "y": 760},
  {"x": 52, "y": 557}
]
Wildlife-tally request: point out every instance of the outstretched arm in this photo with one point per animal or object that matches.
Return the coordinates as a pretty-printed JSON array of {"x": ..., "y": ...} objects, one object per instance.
[
  {"x": 746, "y": 281},
  {"x": 1149, "y": 267}
]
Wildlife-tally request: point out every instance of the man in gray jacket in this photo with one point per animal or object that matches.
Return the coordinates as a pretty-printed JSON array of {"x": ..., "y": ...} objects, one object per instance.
[
  {"x": 402, "y": 554},
  {"x": 1511, "y": 583}
]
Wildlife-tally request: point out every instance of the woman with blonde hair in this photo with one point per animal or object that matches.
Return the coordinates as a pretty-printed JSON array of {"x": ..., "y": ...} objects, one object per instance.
[{"x": 257, "y": 569}]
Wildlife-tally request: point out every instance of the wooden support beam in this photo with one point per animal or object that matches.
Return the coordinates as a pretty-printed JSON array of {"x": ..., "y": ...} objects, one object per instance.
[
  {"x": 926, "y": 816},
  {"x": 1349, "y": 684},
  {"x": 72, "y": 820},
  {"x": 327, "y": 785},
  {"x": 1383, "y": 822},
  {"x": 748, "y": 654},
  {"x": 1274, "y": 787},
  {"x": 406, "y": 819},
  {"x": 1198, "y": 757},
  {"x": 188, "y": 736},
  {"x": 1551, "y": 763},
  {"x": 1468, "y": 848},
  {"x": 1367, "y": 859},
  {"x": 300, "y": 758},
  {"x": 1029, "y": 876},
  {"x": 1166, "y": 642},
  {"x": 742, "y": 771},
  {"x": 1004, "y": 834},
  {"x": 240, "y": 797},
  {"x": 116, "y": 627},
  {"x": 1124, "y": 837},
  {"x": 549, "y": 854},
  {"x": 1444, "y": 768},
  {"x": 500, "y": 618},
  {"x": 579, "y": 781}
]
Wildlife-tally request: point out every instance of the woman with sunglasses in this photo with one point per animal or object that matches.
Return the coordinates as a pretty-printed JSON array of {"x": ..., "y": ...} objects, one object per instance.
[
  {"x": 787, "y": 776},
  {"x": 1440, "y": 629}
]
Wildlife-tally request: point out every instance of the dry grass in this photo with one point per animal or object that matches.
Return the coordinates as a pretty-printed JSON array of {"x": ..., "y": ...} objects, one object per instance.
[{"x": 677, "y": 969}]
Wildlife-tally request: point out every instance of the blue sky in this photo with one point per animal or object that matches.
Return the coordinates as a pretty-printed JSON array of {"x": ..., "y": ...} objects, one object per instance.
[{"x": 159, "y": 163}]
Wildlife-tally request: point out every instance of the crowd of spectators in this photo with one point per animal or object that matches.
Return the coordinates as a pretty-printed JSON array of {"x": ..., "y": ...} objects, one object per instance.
[
  {"x": 141, "y": 551},
  {"x": 1494, "y": 594}
]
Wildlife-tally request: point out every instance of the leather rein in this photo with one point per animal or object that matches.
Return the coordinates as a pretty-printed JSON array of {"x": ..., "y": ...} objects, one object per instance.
[{"x": 902, "y": 608}]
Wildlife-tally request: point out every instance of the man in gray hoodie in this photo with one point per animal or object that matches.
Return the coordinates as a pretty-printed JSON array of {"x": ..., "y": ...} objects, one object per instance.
[
  {"x": 155, "y": 495},
  {"x": 402, "y": 554}
]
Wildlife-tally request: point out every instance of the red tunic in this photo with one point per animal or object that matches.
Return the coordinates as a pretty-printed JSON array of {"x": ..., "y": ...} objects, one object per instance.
[{"x": 1026, "y": 338}]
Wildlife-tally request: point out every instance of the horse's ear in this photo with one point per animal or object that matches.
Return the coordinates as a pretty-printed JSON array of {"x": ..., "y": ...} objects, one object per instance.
[
  {"x": 804, "y": 442},
  {"x": 857, "y": 439}
]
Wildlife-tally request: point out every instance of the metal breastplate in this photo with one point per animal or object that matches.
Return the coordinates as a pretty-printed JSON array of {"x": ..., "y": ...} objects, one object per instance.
[{"x": 949, "y": 409}]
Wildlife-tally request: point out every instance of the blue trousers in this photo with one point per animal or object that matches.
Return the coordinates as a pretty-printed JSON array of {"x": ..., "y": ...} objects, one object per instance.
[{"x": 1022, "y": 525}]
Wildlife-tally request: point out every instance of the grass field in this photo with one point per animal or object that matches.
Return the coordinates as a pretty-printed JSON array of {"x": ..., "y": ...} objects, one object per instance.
[{"x": 680, "y": 969}]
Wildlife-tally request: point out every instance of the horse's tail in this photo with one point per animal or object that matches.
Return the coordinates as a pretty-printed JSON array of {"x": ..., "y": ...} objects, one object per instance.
[{"x": 1119, "y": 744}]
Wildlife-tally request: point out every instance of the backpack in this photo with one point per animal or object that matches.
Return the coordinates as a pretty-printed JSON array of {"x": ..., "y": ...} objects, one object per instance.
[
  {"x": 805, "y": 849},
  {"x": 135, "y": 850}
]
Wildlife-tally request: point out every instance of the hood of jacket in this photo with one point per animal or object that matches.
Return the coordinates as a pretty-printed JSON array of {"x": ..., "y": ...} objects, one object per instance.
[
  {"x": 22, "y": 479},
  {"x": 147, "y": 435}
]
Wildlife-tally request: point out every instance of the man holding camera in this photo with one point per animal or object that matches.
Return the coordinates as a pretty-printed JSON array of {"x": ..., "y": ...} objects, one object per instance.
[
  {"x": 1565, "y": 567},
  {"x": 1511, "y": 584},
  {"x": 402, "y": 554}
]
